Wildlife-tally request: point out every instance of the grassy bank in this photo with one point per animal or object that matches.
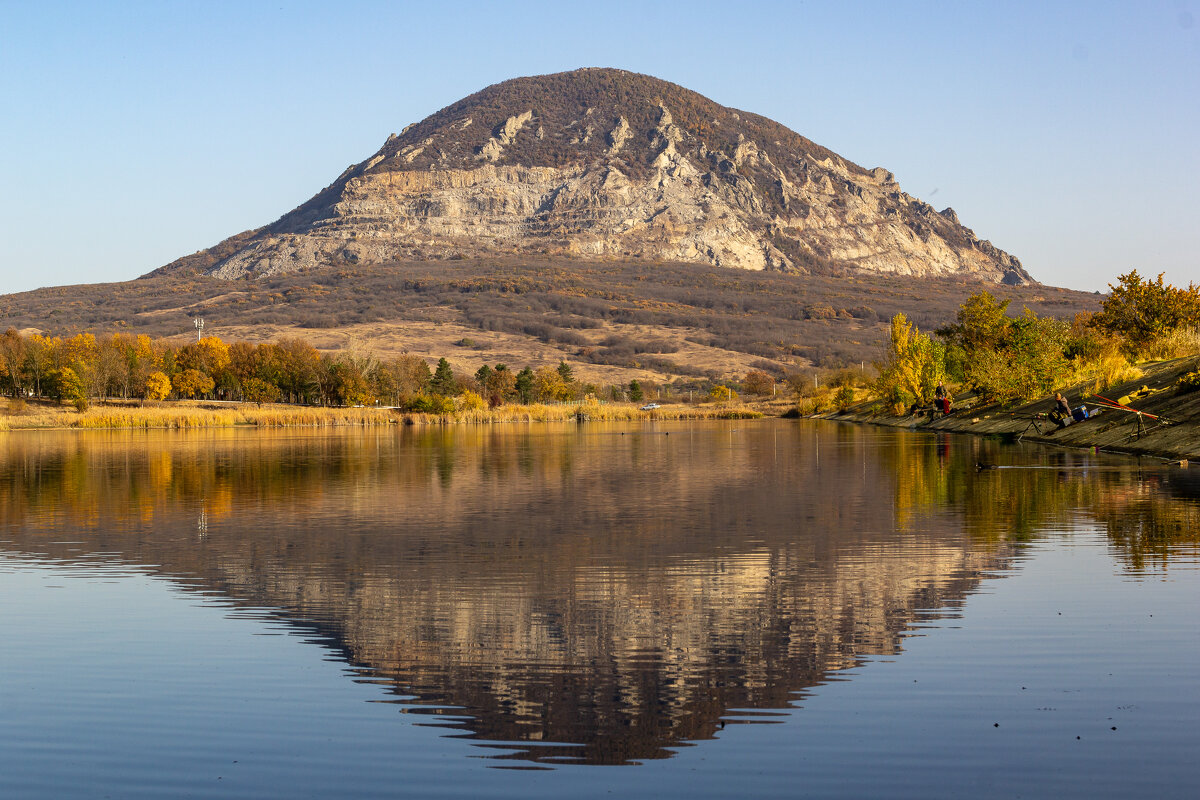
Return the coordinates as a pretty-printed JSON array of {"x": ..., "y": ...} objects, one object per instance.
[
  {"x": 1154, "y": 392},
  {"x": 19, "y": 415}
]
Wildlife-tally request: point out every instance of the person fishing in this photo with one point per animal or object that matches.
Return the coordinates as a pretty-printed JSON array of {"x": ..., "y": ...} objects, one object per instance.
[
  {"x": 941, "y": 398},
  {"x": 1062, "y": 410}
]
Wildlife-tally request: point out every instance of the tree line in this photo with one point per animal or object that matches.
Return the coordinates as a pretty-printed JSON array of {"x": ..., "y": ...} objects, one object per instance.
[
  {"x": 1004, "y": 358},
  {"x": 86, "y": 367}
]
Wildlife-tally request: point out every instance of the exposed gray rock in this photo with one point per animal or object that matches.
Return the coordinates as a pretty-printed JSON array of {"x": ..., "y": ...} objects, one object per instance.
[{"x": 676, "y": 177}]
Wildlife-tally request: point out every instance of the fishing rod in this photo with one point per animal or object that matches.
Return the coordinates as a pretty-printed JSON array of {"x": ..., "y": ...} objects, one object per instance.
[{"x": 1113, "y": 404}]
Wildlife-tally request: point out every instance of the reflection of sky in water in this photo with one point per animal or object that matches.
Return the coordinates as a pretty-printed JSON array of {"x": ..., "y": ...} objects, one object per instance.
[{"x": 601, "y": 617}]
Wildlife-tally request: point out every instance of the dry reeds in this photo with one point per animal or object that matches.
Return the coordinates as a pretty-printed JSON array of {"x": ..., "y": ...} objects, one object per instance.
[
  {"x": 187, "y": 415},
  {"x": 1177, "y": 343}
]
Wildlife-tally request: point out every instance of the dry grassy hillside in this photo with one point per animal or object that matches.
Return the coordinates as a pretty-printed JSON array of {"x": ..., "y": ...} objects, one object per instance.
[{"x": 612, "y": 319}]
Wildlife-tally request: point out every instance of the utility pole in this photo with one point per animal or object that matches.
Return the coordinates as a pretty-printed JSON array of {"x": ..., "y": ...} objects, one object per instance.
[{"x": 199, "y": 328}]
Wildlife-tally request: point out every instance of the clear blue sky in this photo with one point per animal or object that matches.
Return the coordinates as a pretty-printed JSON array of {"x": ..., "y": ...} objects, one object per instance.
[{"x": 133, "y": 133}]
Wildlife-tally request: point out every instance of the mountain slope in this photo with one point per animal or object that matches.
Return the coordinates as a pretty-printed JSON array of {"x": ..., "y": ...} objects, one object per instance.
[{"x": 603, "y": 163}]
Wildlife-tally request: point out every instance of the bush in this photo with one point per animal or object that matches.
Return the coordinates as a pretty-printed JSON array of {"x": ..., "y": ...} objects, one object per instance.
[
  {"x": 1188, "y": 383},
  {"x": 469, "y": 401},
  {"x": 722, "y": 394}
]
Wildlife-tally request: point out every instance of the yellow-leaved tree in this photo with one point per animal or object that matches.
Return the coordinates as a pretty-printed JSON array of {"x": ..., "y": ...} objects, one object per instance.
[
  {"x": 158, "y": 386},
  {"x": 912, "y": 366}
]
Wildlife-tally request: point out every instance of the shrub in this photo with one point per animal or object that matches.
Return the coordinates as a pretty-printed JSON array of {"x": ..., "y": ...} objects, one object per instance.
[
  {"x": 1188, "y": 383},
  {"x": 722, "y": 394},
  {"x": 469, "y": 401}
]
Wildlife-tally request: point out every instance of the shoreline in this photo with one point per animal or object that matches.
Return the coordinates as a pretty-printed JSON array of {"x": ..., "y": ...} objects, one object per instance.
[
  {"x": 1112, "y": 431},
  {"x": 191, "y": 415}
]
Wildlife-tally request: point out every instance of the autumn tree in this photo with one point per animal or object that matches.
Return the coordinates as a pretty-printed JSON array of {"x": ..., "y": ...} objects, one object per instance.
[
  {"x": 193, "y": 383},
  {"x": 501, "y": 385},
  {"x": 912, "y": 366},
  {"x": 413, "y": 375},
  {"x": 158, "y": 386},
  {"x": 40, "y": 355},
  {"x": 65, "y": 384},
  {"x": 258, "y": 391},
  {"x": 299, "y": 369},
  {"x": 1142, "y": 310},
  {"x": 549, "y": 386},
  {"x": 12, "y": 358},
  {"x": 758, "y": 382},
  {"x": 722, "y": 394}
]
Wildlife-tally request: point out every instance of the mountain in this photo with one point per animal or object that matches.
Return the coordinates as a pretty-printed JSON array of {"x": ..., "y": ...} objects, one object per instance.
[{"x": 604, "y": 164}]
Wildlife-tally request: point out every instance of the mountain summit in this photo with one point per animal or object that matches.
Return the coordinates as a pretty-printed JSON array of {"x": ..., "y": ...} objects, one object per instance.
[{"x": 609, "y": 164}]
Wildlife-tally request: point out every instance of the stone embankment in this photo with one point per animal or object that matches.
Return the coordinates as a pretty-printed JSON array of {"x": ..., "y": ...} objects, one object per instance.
[{"x": 1174, "y": 435}]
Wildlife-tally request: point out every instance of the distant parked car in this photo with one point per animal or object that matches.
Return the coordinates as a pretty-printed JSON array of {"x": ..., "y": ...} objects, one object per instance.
[{"x": 650, "y": 406}]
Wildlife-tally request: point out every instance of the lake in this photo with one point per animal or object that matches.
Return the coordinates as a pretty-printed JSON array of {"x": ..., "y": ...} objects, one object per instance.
[{"x": 749, "y": 608}]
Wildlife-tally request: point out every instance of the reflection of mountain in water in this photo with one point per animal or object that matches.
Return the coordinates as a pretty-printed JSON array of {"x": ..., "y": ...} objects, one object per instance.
[{"x": 587, "y": 593}]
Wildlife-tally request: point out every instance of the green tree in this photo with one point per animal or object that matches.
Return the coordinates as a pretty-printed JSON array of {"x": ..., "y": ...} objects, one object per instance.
[
  {"x": 443, "y": 382},
  {"x": 635, "y": 391},
  {"x": 524, "y": 385},
  {"x": 982, "y": 324},
  {"x": 65, "y": 384},
  {"x": 258, "y": 391},
  {"x": 564, "y": 370}
]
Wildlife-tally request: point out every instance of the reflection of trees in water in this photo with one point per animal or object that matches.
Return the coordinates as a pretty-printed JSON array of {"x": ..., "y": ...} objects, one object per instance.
[
  {"x": 1145, "y": 507},
  {"x": 577, "y": 585}
]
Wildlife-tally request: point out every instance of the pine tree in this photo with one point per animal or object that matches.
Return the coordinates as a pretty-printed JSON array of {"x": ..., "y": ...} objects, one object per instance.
[
  {"x": 443, "y": 379},
  {"x": 525, "y": 384}
]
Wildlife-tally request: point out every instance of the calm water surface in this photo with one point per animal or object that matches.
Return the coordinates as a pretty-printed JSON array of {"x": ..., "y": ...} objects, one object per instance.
[{"x": 686, "y": 609}]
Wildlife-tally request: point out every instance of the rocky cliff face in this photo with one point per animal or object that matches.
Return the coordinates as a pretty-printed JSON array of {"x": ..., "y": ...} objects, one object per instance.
[{"x": 602, "y": 163}]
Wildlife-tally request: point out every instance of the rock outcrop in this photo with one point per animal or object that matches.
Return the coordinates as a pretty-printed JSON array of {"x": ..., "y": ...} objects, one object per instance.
[{"x": 603, "y": 163}]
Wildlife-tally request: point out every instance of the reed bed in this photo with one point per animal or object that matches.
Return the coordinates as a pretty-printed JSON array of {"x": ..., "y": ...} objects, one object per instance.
[
  {"x": 594, "y": 412},
  {"x": 183, "y": 416}
]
